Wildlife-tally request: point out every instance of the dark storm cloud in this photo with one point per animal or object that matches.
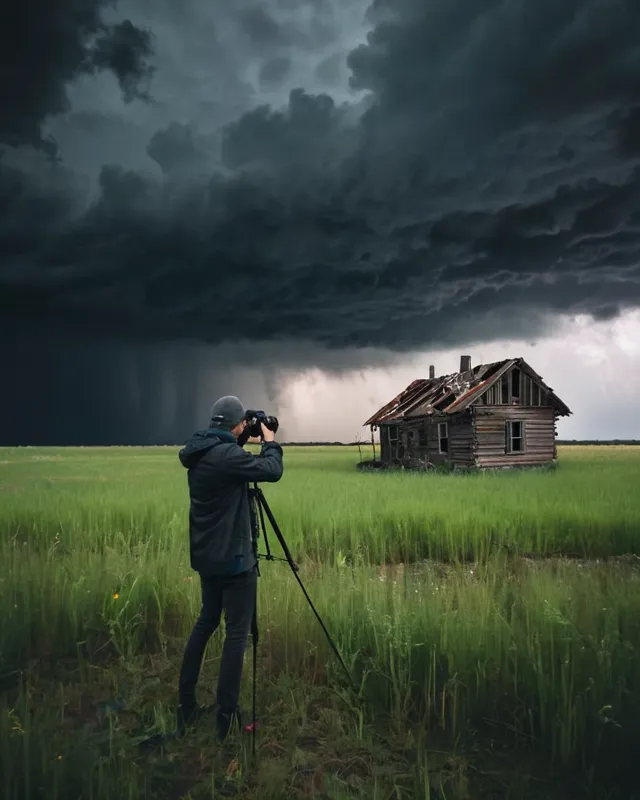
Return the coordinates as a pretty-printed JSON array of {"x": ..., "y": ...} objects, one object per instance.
[
  {"x": 307, "y": 131},
  {"x": 274, "y": 71},
  {"x": 178, "y": 148},
  {"x": 260, "y": 26},
  {"x": 123, "y": 49},
  {"x": 329, "y": 69},
  {"x": 627, "y": 123},
  {"x": 492, "y": 176},
  {"x": 207, "y": 72},
  {"x": 69, "y": 390},
  {"x": 46, "y": 45},
  {"x": 65, "y": 389}
]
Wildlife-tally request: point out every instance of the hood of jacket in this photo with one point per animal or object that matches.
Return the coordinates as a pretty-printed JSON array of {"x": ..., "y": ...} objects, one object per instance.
[{"x": 201, "y": 442}]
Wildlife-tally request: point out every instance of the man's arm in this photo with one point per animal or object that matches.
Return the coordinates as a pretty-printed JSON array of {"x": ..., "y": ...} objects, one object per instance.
[{"x": 265, "y": 467}]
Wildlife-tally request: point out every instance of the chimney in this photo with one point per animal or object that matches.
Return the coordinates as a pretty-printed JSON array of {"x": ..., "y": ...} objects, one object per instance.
[
  {"x": 465, "y": 363},
  {"x": 432, "y": 372}
]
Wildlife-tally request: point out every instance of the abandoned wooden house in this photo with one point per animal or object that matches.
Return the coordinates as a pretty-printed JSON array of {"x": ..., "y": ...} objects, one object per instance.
[{"x": 493, "y": 415}]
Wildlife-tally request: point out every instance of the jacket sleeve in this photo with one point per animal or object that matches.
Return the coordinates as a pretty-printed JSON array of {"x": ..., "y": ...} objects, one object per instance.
[{"x": 265, "y": 467}]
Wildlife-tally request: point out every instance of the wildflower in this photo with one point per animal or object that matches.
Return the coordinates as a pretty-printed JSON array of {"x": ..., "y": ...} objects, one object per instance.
[
  {"x": 59, "y": 758},
  {"x": 116, "y": 596},
  {"x": 15, "y": 726}
]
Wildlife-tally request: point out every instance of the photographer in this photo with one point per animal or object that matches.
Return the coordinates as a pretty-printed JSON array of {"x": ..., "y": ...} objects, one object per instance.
[{"x": 223, "y": 550}]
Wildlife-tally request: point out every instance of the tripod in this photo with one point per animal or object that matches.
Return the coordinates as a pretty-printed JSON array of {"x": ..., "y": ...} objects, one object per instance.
[{"x": 257, "y": 497}]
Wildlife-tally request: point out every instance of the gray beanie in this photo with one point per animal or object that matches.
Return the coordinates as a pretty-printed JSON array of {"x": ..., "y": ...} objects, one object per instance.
[{"x": 226, "y": 413}]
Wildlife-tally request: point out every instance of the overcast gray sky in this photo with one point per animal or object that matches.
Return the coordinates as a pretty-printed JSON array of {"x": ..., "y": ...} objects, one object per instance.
[
  {"x": 308, "y": 202},
  {"x": 593, "y": 367}
]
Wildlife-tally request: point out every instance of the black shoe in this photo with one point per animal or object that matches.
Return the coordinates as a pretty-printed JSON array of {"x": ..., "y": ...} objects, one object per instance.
[
  {"x": 225, "y": 721},
  {"x": 189, "y": 714}
]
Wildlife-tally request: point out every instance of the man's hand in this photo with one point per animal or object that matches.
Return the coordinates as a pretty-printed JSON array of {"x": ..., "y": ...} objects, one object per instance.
[{"x": 267, "y": 435}]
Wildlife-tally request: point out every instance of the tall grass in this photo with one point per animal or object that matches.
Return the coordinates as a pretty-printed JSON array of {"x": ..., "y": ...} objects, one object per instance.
[
  {"x": 97, "y": 499},
  {"x": 540, "y": 656}
]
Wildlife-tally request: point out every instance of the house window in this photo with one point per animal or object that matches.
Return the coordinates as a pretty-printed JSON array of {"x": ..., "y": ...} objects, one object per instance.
[
  {"x": 515, "y": 436},
  {"x": 393, "y": 433},
  {"x": 443, "y": 438},
  {"x": 422, "y": 437}
]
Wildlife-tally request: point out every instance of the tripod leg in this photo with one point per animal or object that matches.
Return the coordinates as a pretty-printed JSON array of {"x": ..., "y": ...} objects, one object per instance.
[
  {"x": 294, "y": 568},
  {"x": 254, "y": 637}
]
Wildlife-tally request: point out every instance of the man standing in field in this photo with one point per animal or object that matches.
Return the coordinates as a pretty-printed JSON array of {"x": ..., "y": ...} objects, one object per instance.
[{"x": 223, "y": 551}]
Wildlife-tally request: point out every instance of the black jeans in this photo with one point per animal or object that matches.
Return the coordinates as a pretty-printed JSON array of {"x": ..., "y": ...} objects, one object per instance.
[{"x": 236, "y": 596}]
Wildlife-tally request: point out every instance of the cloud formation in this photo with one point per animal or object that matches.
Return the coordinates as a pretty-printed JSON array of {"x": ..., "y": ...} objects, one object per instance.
[
  {"x": 47, "y": 45},
  {"x": 492, "y": 167},
  {"x": 401, "y": 176}
]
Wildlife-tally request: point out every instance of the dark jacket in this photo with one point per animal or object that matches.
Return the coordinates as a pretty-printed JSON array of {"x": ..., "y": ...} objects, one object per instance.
[{"x": 220, "y": 516}]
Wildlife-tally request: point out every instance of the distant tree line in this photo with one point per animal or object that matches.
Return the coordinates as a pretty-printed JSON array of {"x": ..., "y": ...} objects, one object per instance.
[
  {"x": 598, "y": 441},
  {"x": 352, "y": 444},
  {"x": 558, "y": 441}
]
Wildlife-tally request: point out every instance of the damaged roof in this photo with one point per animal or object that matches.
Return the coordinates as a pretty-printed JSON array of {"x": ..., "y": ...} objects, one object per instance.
[{"x": 453, "y": 393}]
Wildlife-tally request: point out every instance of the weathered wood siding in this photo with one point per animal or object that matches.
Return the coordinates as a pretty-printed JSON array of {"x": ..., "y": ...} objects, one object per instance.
[
  {"x": 433, "y": 441},
  {"x": 490, "y": 436},
  {"x": 384, "y": 443},
  {"x": 417, "y": 436},
  {"x": 391, "y": 448},
  {"x": 410, "y": 446},
  {"x": 461, "y": 440},
  {"x": 415, "y": 449}
]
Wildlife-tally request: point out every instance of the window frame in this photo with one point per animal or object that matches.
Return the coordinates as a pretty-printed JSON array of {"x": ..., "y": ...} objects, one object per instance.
[
  {"x": 509, "y": 437},
  {"x": 440, "y": 438}
]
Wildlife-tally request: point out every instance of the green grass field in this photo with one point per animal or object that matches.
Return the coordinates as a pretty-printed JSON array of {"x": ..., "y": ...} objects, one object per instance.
[{"x": 491, "y": 623}]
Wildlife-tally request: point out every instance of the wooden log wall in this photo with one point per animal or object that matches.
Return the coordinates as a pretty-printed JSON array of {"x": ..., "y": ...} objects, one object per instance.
[
  {"x": 539, "y": 434},
  {"x": 384, "y": 443},
  {"x": 390, "y": 445},
  {"x": 419, "y": 440},
  {"x": 461, "y": 440},
  {"x": 477, "y": 437},
  {"x": 426, "y": 447},
  {"x": 433, "y": 442}
]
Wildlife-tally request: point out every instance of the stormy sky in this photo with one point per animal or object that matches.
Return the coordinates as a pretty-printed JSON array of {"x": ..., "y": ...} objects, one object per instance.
[{"x": 307, "y": 202}]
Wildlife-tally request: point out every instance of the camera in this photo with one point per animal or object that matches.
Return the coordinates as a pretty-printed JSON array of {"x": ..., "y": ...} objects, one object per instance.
[{"x": 255, "y": 419}]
